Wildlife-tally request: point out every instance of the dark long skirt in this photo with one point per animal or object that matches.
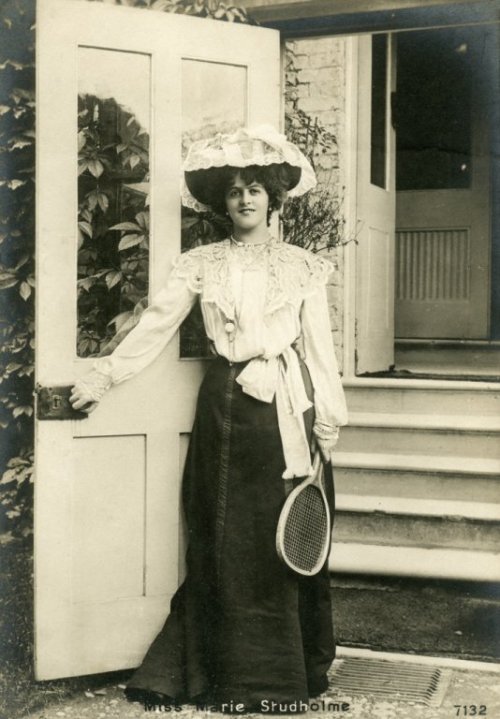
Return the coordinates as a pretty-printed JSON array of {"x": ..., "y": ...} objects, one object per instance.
[{"x": 242, "y": 627}]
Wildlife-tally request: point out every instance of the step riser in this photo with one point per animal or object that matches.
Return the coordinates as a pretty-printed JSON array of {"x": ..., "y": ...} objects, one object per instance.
[
  {"x": 409, "y": 531},
  {"x": 421, "y": 442},
  {"x": 417, "y": 485},
  {"x": 422, "y": 401}
]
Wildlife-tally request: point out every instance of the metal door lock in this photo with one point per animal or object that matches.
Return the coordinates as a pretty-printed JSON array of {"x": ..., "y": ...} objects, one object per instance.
[{"x": 53, "y": 403}]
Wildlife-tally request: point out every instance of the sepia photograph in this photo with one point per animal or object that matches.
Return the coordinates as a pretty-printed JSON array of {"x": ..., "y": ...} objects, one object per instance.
[{"x": 249, "y": 358}]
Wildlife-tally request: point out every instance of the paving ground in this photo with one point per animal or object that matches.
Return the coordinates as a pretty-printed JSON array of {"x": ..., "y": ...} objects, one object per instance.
[
  {"x": 425, "y": 618},
  {"x": 470, "y": 693}
]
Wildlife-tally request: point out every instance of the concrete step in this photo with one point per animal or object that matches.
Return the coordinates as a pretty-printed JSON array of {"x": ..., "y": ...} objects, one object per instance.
[
  {"x": 417, "y": 484},
  {"x": 449, "y": 398},
  {"x": 446, "y": 435},
  {"x": 449, "y": 358},
  {"x": 432, "y": 562},
  {"x": 428, "y": 463},
  {"x": 416, "y": 501},
  {"x": 417, "y": 530},
  {"x": 419, "y": 507}
]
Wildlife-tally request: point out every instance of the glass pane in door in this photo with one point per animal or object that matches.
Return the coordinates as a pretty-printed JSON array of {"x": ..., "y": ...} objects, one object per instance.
[
  {"x": 378, "y": 160},
  {"x": 113, "y": 185},
  {"x": 214, "y": 99},
  {"x": 434, "y": 109}
]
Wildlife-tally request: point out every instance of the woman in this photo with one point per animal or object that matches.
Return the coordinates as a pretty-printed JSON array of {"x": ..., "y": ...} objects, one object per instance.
[{"x": 243, "y": 630}]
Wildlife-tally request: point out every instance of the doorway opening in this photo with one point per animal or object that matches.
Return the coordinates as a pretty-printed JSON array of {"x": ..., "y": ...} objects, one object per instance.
[{"x": 447, "y": 273}]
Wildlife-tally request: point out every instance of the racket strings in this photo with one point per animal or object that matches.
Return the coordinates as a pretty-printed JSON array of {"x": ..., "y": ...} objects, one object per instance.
[{"x": 305, "y": 529}]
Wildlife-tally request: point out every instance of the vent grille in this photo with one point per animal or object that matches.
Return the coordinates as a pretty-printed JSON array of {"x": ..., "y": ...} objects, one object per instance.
[
  {"x": 433, "y": 265},
  {"x": 403, "y": 682}
]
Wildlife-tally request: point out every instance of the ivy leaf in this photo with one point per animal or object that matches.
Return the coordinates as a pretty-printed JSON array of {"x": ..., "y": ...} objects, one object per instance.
[
  {"x": 86, "y": 283},
  {"x": 133, "y": 161},
  {"x": 8, "y": 281},
  {"x": 23, "y": 409},
  {"x": 25, "y": 290},
  {"x": 24, "y": 259},
  {"x": 96, "y": 168},
  {"x": 188, "y": 222},
  {"x": 4, "y": 109},
  {"x": 82, "y": 139},
  {"x": 14, "y": 184},
  {"x": 86, "y": 228},
  {"x": 102, "y": 201},
  {"x": 128, "y": 241},
  {"x": 19, "y": 143},
  {"x": 6, "y": 274},
  {"x": 112, "y": 278},
  {"x": 126, "y": 226},
  {"x": 12, "y": 367},
  {"x": 86, "y": 215},
  {"x": 143, "y": 220},
  {"x": 12, "y": 63}
]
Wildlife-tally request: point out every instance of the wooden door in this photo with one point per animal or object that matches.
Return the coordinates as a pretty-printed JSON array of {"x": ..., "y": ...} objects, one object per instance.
[
  {"x": 443, "y": 201},
  {"x": 107, "y": 512},
  {"x": 375, "y": 206}
]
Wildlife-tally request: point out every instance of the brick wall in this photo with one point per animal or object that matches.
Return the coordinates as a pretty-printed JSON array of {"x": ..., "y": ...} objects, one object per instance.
[{"x": 316, "y": 83}]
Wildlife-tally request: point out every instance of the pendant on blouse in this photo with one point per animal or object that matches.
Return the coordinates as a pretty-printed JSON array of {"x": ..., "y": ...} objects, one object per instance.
[{"x": 229, "y": 327}]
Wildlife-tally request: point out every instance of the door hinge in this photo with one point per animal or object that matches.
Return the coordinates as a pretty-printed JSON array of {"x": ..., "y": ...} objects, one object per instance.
[{"x": 53, "y": 403}]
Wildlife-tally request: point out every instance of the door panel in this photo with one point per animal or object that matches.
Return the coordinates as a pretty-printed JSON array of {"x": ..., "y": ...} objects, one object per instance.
[
  {"x": 107, "y": 506},
  {"x": 443, "y": 199},
  {"x": 375, "y": 206}
]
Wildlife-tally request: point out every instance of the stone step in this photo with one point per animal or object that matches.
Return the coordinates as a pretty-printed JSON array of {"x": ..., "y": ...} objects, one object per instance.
[
  {"x": 396, "y": 500},
  {"x": 440, "y": 421},
  {"x": 447, "y": 435},
  {"x": 429, "y": 463},
  {"x": 419, "y": 507},
  {"x": 418, "y": 561},
  {"x": 449, "y": 358},
  {"x": 411, "y": 396},
  {"x": 417, "y": 530},
  {"x": 417, "y": 484}
]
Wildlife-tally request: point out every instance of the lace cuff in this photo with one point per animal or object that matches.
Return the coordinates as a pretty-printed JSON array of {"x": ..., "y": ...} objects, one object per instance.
[
  {"x": 94, "y": 385},
  {"x": 325, "y": 432}
]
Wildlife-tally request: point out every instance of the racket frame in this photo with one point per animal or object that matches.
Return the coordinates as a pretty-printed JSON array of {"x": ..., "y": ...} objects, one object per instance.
[{"x": 315, "y": 479}]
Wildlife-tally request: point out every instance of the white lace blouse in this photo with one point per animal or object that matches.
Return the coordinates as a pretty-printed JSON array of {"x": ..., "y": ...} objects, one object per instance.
[{"x": 257, "y": 301}]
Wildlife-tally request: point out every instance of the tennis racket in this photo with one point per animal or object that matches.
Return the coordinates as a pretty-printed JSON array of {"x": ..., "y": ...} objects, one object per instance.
[{"x": 303, "y": 532}]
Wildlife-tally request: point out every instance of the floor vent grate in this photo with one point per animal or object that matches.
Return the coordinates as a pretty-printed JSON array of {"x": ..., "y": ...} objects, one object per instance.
[{"x": 417, "y": 683}]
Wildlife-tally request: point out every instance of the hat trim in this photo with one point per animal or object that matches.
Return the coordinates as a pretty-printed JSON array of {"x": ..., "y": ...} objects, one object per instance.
[{"x": 226, "y": 151}]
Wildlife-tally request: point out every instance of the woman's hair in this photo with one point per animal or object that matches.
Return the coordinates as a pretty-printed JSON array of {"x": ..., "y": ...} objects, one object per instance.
[{"x": 210, "y": 186}]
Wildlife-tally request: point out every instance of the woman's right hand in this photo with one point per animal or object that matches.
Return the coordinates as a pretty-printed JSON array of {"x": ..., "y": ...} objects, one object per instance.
[{"x": 89, "y": 390}]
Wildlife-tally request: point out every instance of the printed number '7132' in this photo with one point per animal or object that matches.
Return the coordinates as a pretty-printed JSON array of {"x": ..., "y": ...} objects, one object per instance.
[{"x": 470, "y": 710}]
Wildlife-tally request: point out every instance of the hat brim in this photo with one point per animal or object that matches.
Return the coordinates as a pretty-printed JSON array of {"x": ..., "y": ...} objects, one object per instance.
[{"x": 200, "y": 181}]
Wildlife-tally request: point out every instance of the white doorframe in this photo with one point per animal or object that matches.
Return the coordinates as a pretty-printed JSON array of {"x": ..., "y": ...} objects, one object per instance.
[{"x": 350, "y": 204}]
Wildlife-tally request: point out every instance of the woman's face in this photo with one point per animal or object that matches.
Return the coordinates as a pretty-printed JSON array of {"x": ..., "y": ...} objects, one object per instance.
[{"x": 247, "y": 204}]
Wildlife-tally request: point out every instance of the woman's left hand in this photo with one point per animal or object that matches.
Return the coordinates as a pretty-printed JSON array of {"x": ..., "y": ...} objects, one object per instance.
[{"x": 326, "y": 440}]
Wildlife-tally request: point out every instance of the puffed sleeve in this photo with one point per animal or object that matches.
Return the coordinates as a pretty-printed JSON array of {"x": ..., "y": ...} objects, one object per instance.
[
  {"x": 329, "y": 399},
  {"x": 158, "y": 323}
]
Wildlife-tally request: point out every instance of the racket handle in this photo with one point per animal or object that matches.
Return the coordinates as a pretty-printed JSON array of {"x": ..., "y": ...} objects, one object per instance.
[{"x": 316, "y": 461}]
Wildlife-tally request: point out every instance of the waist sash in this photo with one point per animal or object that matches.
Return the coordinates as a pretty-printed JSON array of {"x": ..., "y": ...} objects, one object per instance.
[{"x": 281, "y": 377}]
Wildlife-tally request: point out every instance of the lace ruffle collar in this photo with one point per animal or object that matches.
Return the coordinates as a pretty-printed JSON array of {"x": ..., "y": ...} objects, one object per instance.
[{"x": 293, "y": 274}]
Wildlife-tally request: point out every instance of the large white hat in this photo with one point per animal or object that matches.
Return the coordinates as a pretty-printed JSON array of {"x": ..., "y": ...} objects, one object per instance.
[{"x": 261, "y": 145}]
